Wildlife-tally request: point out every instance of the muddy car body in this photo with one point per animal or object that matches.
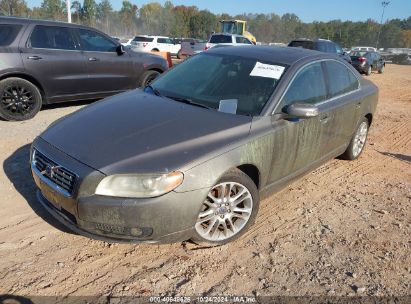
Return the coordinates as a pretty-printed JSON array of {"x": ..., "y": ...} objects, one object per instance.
[{"x": 212, "y": 166}]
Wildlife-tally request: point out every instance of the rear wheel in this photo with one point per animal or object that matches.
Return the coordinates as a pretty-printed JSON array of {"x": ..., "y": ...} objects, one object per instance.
[
  {"x": 228, "y": 211},
  {"x": 148, "y": 77},
  {"x": 155, "y": 50},
  {"x": 357, "y": 143},
  {"x": 19, "y": 99},
  {"x": 369, "y": 70}
]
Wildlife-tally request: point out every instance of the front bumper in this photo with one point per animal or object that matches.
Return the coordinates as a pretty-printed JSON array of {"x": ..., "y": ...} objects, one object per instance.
[{"x": 165, "y": 219}]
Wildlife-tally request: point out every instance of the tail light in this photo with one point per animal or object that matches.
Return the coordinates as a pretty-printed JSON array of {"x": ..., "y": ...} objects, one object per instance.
[
  {"x": 206, "y": 47},
  {"x": 362, "y": 59}
]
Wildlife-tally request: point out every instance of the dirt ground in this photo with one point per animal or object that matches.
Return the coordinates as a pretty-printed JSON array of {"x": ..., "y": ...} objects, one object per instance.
[{"x": 343, "y": 229}]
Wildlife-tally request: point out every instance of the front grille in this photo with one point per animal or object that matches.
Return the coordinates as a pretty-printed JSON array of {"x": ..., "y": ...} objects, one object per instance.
[{"x": 59, "y": 175}]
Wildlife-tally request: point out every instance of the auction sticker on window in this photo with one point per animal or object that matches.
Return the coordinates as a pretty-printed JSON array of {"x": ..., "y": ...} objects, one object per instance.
[{"x": 267, "y": 70}]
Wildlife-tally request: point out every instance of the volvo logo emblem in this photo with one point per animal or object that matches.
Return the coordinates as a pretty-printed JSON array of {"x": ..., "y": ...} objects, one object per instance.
[{"x": 49, "y": 170}]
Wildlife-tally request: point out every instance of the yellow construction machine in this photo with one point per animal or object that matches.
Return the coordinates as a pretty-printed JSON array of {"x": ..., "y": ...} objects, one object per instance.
[{"x": 238, "y": 27}]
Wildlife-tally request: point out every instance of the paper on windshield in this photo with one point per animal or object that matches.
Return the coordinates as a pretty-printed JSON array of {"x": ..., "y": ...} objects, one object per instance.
[
  {"x": 228, "y": 106},
  {"x": 267, "y": 70}
]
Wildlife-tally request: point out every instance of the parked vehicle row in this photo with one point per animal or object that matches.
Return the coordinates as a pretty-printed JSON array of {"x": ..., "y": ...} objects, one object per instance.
[
  {"x": 191, "y": 155},
  {"x": 46, "y": 62}
]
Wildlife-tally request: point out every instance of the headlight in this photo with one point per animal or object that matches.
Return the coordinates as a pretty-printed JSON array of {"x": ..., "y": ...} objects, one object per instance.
[{"x": 139, "y": 185}]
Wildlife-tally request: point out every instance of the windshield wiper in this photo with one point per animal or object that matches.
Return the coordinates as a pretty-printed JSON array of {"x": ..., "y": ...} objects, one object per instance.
[
  {"x": 189, "y": 101},
  {"x": 155, "y": 91}
]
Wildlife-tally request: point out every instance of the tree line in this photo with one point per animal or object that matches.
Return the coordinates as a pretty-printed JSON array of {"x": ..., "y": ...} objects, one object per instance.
[{"x": 189, "y": 21}]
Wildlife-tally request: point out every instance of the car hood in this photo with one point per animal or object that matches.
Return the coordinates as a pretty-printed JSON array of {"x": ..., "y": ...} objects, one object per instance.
[{"x": 136, "y": 132}]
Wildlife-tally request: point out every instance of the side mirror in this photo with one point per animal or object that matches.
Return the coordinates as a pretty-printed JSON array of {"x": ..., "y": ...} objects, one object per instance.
[
  {"x": 302, "y": 110},
  {"x": 120, "y": 49}
]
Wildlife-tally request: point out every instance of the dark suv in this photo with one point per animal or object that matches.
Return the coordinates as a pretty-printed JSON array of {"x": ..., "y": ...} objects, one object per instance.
[
  {"x": 45, "y": 62},
  {"x": 322, "y": 45}
]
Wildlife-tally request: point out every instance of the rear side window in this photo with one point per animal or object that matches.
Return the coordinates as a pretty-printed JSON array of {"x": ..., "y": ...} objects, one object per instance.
[
  {"x": 8, "y": 33},
  {"x": 342, "y": 80},
  {"x": 221, "y": 39},
  {"x": 143, "y": 39},
  {"x": 95, "y": 42},
  {"x": 307, "y": 87},
  {"x": 165, "y": 40},
  {"x": 52, "y": 37}
]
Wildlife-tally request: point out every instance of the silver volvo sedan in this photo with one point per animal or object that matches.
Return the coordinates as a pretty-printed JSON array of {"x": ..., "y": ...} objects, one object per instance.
[{"x": 191, "y": 155}]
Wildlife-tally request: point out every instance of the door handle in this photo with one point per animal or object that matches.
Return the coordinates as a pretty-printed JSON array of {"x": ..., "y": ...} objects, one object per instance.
[
  {"x": 93, "y": 59},
  {"x": 34, "y": 57}
]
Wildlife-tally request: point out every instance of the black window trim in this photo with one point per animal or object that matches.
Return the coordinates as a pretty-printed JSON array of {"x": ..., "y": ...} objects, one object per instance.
[
  {"x": 326, "y": 80},
  {"x": 70, "y": 30}
]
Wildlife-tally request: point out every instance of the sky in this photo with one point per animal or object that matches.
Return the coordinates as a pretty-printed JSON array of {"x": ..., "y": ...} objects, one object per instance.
[{"x": 306, "y": 10}]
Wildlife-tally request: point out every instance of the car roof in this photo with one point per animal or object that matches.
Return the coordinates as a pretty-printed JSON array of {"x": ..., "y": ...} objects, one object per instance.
[
  {"x": 281, "y": 55},
  {"x": 314, "y": 40},
  {"x": 20, "y": 20}
]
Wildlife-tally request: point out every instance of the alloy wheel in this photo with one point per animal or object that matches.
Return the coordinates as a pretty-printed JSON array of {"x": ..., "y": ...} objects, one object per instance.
[
  {"x": 359, "y": 139},
  {"x": 17, "y": 100},
  {"x": 225, "y": 211}
]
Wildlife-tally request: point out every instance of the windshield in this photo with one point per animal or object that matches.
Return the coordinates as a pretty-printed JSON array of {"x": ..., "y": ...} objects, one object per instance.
[{"x": 209, "y": 78}]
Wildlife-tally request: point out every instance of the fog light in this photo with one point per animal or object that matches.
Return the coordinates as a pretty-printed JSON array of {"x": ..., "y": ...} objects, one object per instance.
[{"x": 136, "y": 231}]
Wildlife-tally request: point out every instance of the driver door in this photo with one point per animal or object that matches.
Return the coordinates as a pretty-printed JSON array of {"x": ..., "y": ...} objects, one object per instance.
[
  {"x": 297, "y": 140},
  {"x": 108, "y": 72}
]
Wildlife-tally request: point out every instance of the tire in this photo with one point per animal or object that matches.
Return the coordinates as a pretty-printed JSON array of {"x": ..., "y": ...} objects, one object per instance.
[
  {"x": 357, "y": 143},
  {"x": 381, "y": 70},
  {"x": 155, "y": 50},
  {"x": 369, "y": 71},
  {"x": 148, "y": 77},
  {"x": 19, "y": 99},
  {"x": 209, "y": 228}
]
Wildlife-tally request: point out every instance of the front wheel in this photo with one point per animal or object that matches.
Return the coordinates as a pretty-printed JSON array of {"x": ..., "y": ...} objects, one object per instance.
[
  {"x": 357, "y": 143},
  {"x": 228, "y": 211},
  {"x": 148, "y": 77},
  {"x": 19, "y": 99}
]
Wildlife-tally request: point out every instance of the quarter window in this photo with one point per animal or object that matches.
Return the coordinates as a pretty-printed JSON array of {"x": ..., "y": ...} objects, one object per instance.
[
  {"x": 95, "y": 42},
  {"x": 8, "y": 33},
  {"x": 52, "y": 37},
  {"x": 307, "y": 87},
  {"x": 342, "y": 80}
]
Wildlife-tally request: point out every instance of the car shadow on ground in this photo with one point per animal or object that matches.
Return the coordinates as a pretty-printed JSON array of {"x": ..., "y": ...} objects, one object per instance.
[
  {"x": 402, "y": 157},
  {"x": 67, "y": 104},
  {"x": 17, "y": 169}
]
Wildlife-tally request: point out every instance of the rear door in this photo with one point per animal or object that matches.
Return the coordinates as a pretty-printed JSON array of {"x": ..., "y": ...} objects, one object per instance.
[
  {"x": 108, "y": 72},
  {"x": 52, "y": 56},
  {"x": 339, "y": 113},
  {"x": 167, "y": 45}
]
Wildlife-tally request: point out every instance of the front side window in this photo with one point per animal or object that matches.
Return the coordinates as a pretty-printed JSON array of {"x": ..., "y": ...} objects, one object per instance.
[
  {"x": 242, "y": 40},
  {"x": 52, "y": 37},
  {"x": 307, "y": 87},
  {"x": 8, "y": 33},
  {"x": 95, "y": 42},
  {"x": 209, "y": 78},
  {"x": 341, "y": 79}
]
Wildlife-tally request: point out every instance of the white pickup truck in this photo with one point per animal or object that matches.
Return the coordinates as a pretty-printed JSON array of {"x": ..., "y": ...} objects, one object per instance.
[{"x": 145, "y": 43}]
